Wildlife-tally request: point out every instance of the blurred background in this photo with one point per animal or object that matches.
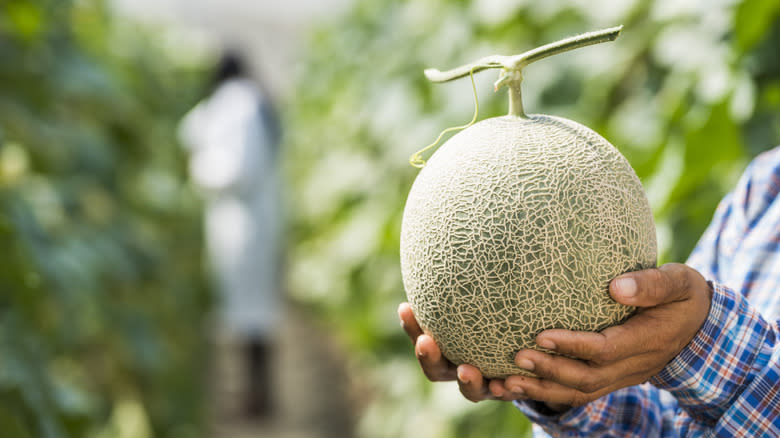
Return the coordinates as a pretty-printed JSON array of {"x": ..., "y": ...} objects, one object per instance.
[{"x": 107, "y": 300}]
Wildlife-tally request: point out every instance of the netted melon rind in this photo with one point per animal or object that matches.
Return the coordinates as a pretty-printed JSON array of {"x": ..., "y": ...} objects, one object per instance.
[{"x": 515, "y": 226}]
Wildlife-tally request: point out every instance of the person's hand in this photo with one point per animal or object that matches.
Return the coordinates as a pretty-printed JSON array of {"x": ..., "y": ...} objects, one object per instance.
[
  {"x": 673, "y": 302},
  {"x": 437, "y": 368}
]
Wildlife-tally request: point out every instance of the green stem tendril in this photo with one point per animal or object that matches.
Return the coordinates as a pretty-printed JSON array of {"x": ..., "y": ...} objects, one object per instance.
[
  {"x": 417, "y": 159},
  {"x": 511, "y": 75}
]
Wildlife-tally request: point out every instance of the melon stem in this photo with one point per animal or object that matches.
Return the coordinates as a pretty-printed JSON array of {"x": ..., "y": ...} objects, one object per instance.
[
  {"x": 515, "y": 100},
  {"x": 512, "y": 79},
  {"x": 512, "y": 66}
]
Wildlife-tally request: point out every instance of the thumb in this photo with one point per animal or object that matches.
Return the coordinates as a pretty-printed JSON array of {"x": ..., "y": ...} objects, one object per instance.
[{"x": 653, "y": 287}]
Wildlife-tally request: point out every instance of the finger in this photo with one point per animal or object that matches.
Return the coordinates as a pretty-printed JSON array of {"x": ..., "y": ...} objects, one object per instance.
[
  {"x": 435, "y": 366},
  {"x": 472, "y": 385},
  {"x": 568, "y": 372},
  {"x": 663, "y": 330},
  {"x": 641, "y": 334},
  {"x": 500, "y": 391},
  {"x": 644, "y": 333},
  {"x": 409, "y": 322},
  {"x": 587, "y": 346},
  {"x": 496, "y": 387},
  {"x": 550, "y": 392},
  {"x": 653, "y": 287}
]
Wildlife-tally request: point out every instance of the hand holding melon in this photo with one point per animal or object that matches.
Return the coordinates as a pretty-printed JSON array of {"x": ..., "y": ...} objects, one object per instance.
[{"x": 673, "y": 303}]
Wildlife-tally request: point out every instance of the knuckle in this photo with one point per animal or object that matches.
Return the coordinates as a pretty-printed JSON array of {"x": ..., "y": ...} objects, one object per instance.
[
  {"x": 658, "y": 284},
  {"x": 547, "y": 372},
  {"x": 579, "y": 399},
  {"x": 682, "y": 279},
  {"x": 678, "y": 278},
  {"x": 581, "y": 346},
  {"x": 589, "y": 384},
  {"x": 607, "y": 351},
  {"x": 685, "y": 280},
  {"x": 605, "y": 356}
]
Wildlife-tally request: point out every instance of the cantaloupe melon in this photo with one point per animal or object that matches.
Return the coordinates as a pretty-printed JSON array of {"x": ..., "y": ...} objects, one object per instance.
[{"x": 516, "y": 225}]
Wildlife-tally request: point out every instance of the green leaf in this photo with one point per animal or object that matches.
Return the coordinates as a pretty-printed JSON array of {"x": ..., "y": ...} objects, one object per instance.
[
  {"x": 752, "y": 21},
  {"x": 25, "y": 19},
  {"x": 12, "y": 423}
]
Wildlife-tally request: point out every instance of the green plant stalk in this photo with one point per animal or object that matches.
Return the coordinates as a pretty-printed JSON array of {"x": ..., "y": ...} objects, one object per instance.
[{"x": 512, "y": 66}]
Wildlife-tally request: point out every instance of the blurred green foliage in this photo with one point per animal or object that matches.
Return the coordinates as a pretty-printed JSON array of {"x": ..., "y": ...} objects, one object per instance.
[
  {"x": 689, "y": 93},
  {"x": 102, "y": 299}
]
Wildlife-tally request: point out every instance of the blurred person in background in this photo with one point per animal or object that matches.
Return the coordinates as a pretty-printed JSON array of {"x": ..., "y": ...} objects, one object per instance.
[{"x": 233, "y": 137}]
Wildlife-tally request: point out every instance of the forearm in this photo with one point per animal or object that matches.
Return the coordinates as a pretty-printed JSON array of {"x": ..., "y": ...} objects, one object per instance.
[
  {"x": 641, "y": 410},
  {"x": 727, "y": 377}
]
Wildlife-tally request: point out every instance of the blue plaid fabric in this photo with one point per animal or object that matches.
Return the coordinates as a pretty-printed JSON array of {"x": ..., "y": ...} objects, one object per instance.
[{"x": 726, "y": 382}]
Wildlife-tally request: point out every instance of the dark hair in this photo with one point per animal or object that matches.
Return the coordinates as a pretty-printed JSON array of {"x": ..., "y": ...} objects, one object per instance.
[{"x": 230, "y": 65}]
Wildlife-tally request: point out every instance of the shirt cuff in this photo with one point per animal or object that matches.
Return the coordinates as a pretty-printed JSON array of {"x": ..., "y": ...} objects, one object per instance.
[
  {"x": 713, "y": 367},
  {"x": 536, "y": 412},
  {"x": 591, "y": 419}
]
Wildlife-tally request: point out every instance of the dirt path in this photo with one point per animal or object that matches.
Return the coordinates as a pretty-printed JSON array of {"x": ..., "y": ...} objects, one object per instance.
[{"x": 311, "y": 387}]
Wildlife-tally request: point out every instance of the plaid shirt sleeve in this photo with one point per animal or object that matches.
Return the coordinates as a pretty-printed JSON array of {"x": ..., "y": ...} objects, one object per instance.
[
  {"x": 726, "y": 382},
  {"x": 641, "y": 410}
]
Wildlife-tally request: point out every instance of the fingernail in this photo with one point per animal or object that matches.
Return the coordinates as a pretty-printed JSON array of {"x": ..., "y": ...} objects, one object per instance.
[
  {"x": 626, "y": 287},
  {"x": 462, "y": 378},
  {"x": 525, "y": 364},
  {"x": 548, "y": 344}
]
